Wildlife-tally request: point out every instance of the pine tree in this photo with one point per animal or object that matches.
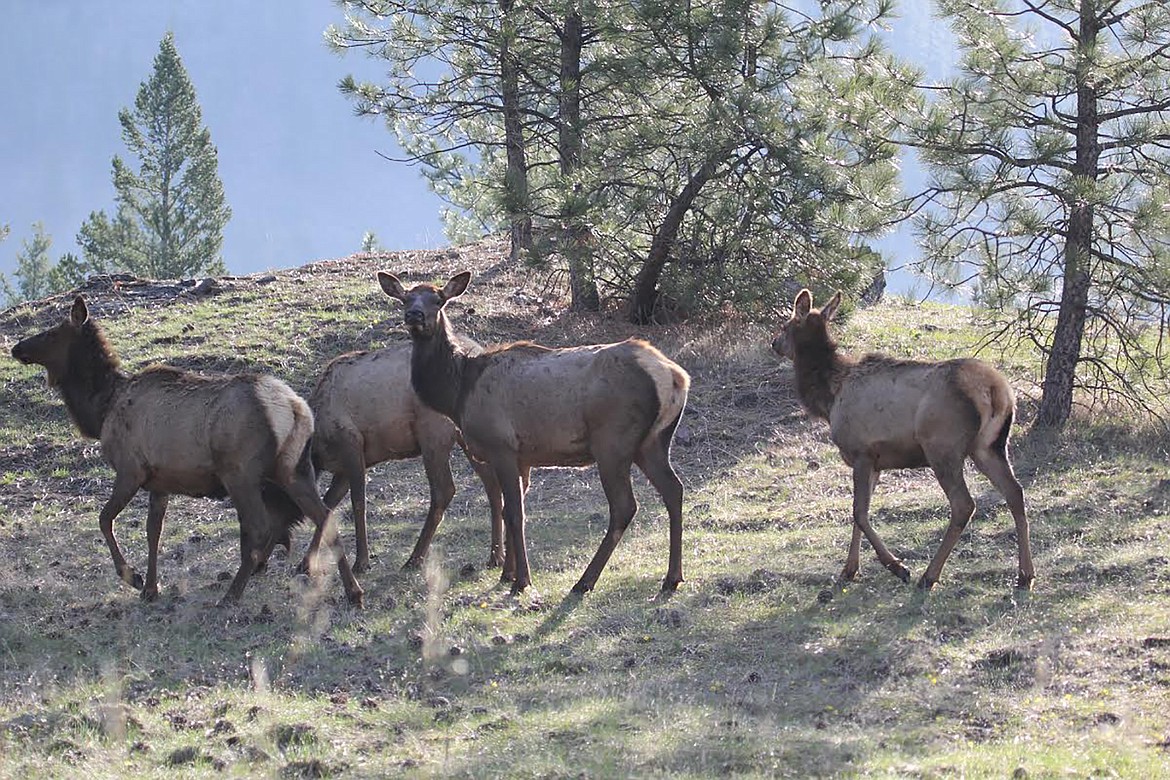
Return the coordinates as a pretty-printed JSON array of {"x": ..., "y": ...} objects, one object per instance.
[
  {"x": 36, "y": 276},
  {"x": 370, "y": 242},
  {"x": 439, "y": 111},
  {"x": 1050, "y": 183},
  {"x": 171, "y": 211},
  {"x": 692, "y": 152},
  {"x": 5, "y": 286}
]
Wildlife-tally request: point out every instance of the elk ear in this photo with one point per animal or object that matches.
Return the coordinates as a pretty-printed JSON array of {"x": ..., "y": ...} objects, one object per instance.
[
  {"x": 802, "y": 305},
  {"x": 391, "y": 286},
  {"x": 830, "y": 308},
  {"x": 79, "y": 312},
  {"x": 457, "y": 285}
]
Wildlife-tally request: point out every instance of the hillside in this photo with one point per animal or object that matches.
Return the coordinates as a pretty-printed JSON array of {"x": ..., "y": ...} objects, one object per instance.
[{"x": 761, "y": 665}]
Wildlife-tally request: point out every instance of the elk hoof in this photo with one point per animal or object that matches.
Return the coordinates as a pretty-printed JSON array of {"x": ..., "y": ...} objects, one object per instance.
[
  {"x": 149, "y": 594},
  {"x": 412, "y": 564},
  {"x": 899, "y": 571},
  {"x": 1024, "y": 582},
  {"x": 304, "y": 567},
  {"x": 495, "y": 561},
  {"x": 670, "y": 584},
  {"x": 355, "y": 598},
  {"x": 229, "y": 601},
  {"x": 926, "y": 584},
  {"x": 849, "y": 574},
  {"x": 132, "y": 578},
  {"x": 361, "y": 565},
  {"x": 581, "y": 588}
]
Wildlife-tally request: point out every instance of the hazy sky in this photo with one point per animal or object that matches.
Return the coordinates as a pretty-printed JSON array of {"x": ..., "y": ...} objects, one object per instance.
[{"x": 301, "y": 173}]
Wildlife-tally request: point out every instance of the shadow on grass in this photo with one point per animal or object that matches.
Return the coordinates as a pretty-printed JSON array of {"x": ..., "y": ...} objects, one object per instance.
[{"x": 746, "y": 669}]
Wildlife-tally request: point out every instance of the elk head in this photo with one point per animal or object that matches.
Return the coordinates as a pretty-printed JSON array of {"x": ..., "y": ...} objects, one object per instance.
[
  {"x": 423, "y": 304},
  {"x": 804, "y": 323},
  {"x": 52, "y": 348}
]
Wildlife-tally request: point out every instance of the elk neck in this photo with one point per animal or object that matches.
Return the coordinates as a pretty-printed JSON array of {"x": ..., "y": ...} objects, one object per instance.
[
  {"x": 820, "y": 372},
  {"x": 437, "y": 364},
  {"x": 91, "y": 381}
]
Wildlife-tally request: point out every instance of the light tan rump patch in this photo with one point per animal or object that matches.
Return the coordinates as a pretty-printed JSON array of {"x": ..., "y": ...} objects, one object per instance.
[
  {"x": 289, "y": 418},
  {"x": 991, "y": 394},
  {"x": 670, "y": 381}
]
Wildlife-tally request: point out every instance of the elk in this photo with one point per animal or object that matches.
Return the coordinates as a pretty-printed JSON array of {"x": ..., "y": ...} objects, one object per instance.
[
  {"x": 367, "y": 413},
  {"x": 523, "y": 405},
  {"x": 885, "y": 413},
  {"x": 170, "y": 431}
]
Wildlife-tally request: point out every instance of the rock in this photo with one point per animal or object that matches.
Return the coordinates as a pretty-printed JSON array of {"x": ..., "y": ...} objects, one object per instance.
[{"x": 205, "y": 287}]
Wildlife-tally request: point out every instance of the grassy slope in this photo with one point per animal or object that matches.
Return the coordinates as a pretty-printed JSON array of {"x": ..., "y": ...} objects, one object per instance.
[{"x": 760, "y": 665}]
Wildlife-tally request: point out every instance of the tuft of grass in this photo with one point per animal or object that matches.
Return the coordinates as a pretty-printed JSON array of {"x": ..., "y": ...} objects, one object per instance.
[{"x": 761, "y": 665}]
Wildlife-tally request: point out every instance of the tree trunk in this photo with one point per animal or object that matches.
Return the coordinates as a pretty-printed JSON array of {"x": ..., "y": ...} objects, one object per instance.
[
  {"x": 575, "y": 237},
  {"x": 645, "y": 294},
  {"x": 1060, "y": 374},
  {"x": 516, "y": 204}
]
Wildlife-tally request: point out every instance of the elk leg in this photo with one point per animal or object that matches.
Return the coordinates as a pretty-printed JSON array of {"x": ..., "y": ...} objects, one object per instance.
[
  {"x": 950, "y": 477},
  {"x": 124, "y": 490},
  {"x": 853, "y": 560},
  {"x": 338, "y": 487},
  {"x": 303, "y": 490},
  {"x": 515, "y": 547},
  {"x": 351, "y": 477},
  {"x": 355, "y": 468},
  {"x": 654, "y": 461},
  {"x": 154, "y": 526},
  {"x": 281, "y": 521},
  {"x": 437, "y": 464},
  {"x": 615, "y": 479},
  {"x": 998, "y": 470},
  {"x": 265, "y": 553},
  {"x": 253, "y": 518},
  {"x": 508, "y": 574},
  {"x": 495, "y": 497},
  {"x": 334, "y": 494},
  {"x": 864, "y": 477}
]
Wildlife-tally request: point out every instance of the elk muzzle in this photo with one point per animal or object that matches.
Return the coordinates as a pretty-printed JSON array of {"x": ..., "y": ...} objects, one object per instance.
[
  {"x": 416, "y": 322},
  {"x": 20, "y": 352}
]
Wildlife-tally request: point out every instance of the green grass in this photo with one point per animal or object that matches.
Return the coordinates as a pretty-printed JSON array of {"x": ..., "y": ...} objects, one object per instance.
[{"x": 762, "y": 665}]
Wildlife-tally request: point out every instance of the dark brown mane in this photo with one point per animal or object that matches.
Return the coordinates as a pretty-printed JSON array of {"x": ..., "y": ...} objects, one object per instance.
[
  {"x": 92, "y": 350},
  {"x": 91, "y": 379},
  {"x": 819, "y": 369},
  {"x": 441, "y": 388}
]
